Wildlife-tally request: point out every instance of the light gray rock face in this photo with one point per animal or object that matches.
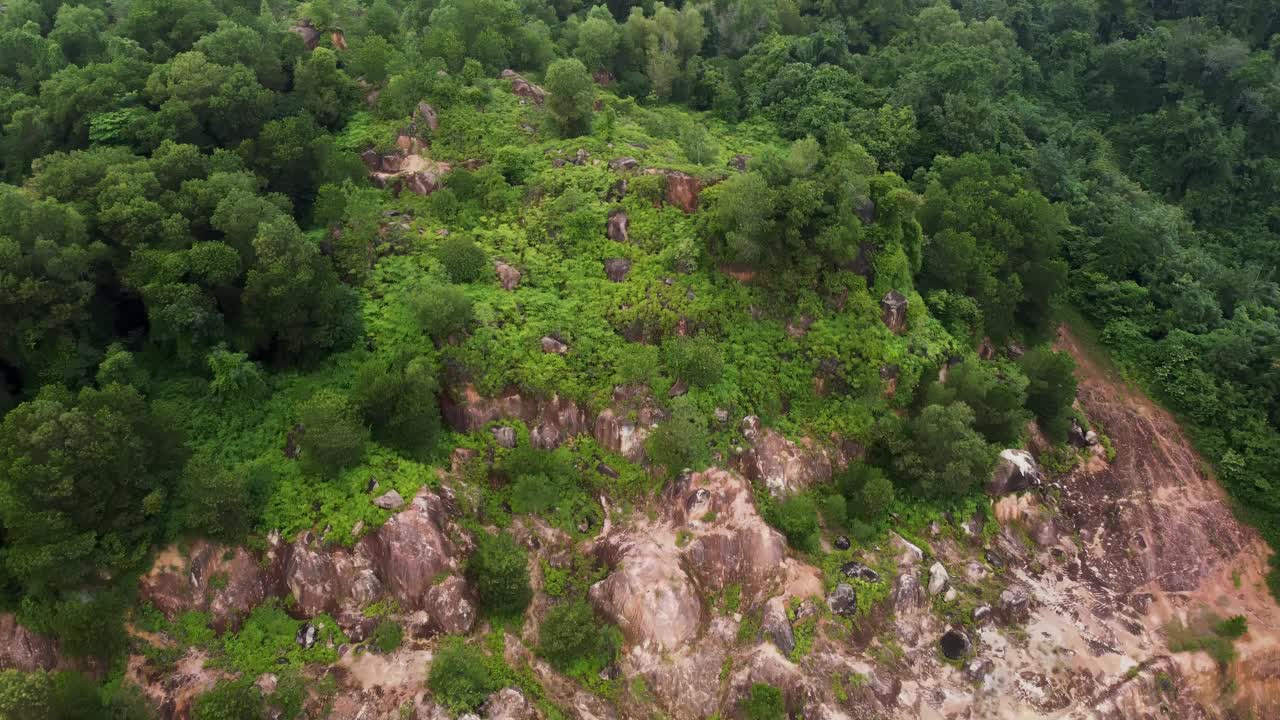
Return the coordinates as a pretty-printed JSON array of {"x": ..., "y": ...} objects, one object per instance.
[
  {"x": 939, "y": 579},
  {"x": 1016, "y": 471}
]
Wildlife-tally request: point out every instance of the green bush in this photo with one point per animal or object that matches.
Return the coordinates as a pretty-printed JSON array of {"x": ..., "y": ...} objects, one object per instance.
[
  {"x": 797, "y": 518},
  {"x": 441, "y": 311},
  {"x": 575, "y": 641},
  {"x": 333, "y": 437},
  {"x": 387, "y": 636},
  {"x": 683, "y": 440},
  {"x": 697, "y": 360},
  {"x": 764, "y": 703},
  {"x": 463, "y": 260},
  {"x": 498, "y": 570},
  {"x": 230, "y": 700},
  {"x": 396, "y": 394},
  {"x": 461, "y": 677}
]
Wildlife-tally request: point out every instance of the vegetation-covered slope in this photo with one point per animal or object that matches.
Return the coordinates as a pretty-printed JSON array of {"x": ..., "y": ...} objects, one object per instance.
[{"x": 247, "y": 253}]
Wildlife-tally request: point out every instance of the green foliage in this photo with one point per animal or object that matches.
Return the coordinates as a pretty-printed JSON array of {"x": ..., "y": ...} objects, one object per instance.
[
  {"x": 461, "y": 677},
  {"x": 683, "y": 440},
  {"x": 441, "y": 311},
  {"x": 229, "y": 700},
  {"x": 696, "y": 360},
  {"x": 463, "y": 260},
  {"x": 396, "y": 395},
  {"x": 269, "y": 634},
  {"x": 332, "y": 435},
  {"x": 574, "y": 641},
  {"x": 1051, "y": 389},
  {"x": 572, "y": 93},
  {"x": 764, "y": 703},
  {"x": 940, "y": 455},
  {"x": 217, "y": 501},
  {"x": 498, "y": 570},
  {"x": 387, "y": 636},
  {"x": 797, "y": 518},
  {"x": 995, "y": 392}
]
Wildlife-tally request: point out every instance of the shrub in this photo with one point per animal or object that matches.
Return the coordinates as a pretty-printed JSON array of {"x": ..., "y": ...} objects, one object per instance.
[
  {"x": 498, "y": 569},
  {"x": 332, "y": 436},
  {"x": 575, "y": 641},
  {"x": 682, "y": 441},
  {"x": 764, "y": 703},
  {"x": 387, "y": 636},
  {"x": 441, "y": 311},
  {"x": 229, "y": 700},
  {"x": 460, "y": 677},
  {"x": 797, "y": 518},
  {"x": 877, "y": 497},
  {"x": 696, "y": 360},
  {"x": 835, "y": 513},
  {"x": 396, "y": 394},
  {"x": 218, "y": 500},
  {"x": 463, "y": 260}
]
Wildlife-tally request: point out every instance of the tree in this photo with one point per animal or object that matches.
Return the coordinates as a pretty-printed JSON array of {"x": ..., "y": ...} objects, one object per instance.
[
  {"x": 940, "y": 455},
  {"x": 396, "y": 394},
  {"x": 293, "y": 302},
  {"x": 83, "y": 480},
  {"x": 797, "y": 518},
  {"x": 1051, "y": 389},
  {"x": 575, "y": 641},
  {"x": 460, "y": 677},
  {"x": 217, "y": 500},
  {"x": 683, "y": 441},
  {"x": 441, "y": 311},
  {"x": 333, "y": 437},
  {"x": 326, "y": 91},
  {"x": 498, "y": 570},
  {"x": 572, "y": 96},
  {"x": 995, "y": 392},
  {"x": 80, "y": 32}
]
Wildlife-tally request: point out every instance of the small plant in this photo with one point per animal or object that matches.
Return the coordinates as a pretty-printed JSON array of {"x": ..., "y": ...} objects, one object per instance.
[
  {"x": 387, "y": 636},
  {"x": 764, "y": 703}
]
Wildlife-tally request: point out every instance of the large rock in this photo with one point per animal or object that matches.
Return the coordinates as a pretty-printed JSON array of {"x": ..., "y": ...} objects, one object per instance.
[
  {"x": 617, "y": 226},
  {"x": 907, "y": 593},
  {"x": 309, "y": 34},
  {"x": 616, "y": 269},
  {"x": 1016, "y": 471},
  {"x": 955, "y": 643},
  {"x": 783, "y": 466},
  {"x": 508, "y": 704},
  {"x": 426, "y": 115},
  {"x": 225, "y": 582},
  {"x": 647, "y": 595},
  {"x": 893, "y": 311},
  {"x": 508, "y": 276},
  {"x": 412, "y": 549},
  {"x": 551, "y": 421},
  {"x": 21, "y": 649},
  {"x": 683, "y": 190},
  {"x": 939, "y": 579},
  {"x": 777, "y": 627},
  {"x": 843, "y": 600},
  {"x": 523, "y": 88},
  {"x": 330, "y": 580}
]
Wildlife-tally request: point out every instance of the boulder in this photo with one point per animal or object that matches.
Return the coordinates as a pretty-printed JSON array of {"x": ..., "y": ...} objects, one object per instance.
[
  {"x": 739, "y": 162},
  {"x": 938, "y": 578},
  {"x": 553, "y": 346},
  {"x": 505, "y": 436},
  {"x": 412, "y": 549},
  {"x": 616, "y": 269},
  {"x": 338, "y": 39},
  {"x": 981, "y": 614},
  {"x": 858, "y": 571},
  {"x": 843, "y": 600},
  {"x": 389, "y": 500},
  {"x": 783, "y": 466},
  {"x": 1014, "y": 606},
  {"x": 508, "y": 704},
  {"x": 907, "y": 593},
  {"x": 617, "y": 226},
  {"x": 979, "y": 668},
  {"x": 524, "y": 89},
  {"x": 225, "y": 582},
  {"x": 777, "y": 627},
  {"x": 508, "y": 276},
  {"x": 330, "y": 580},
  {"x": 1076, "y": 435},
  {"x": 955, "y": 644},
  {"x": 678, "y": 388},
  {"x": 893, "y": 311},
  {"x": 647, "y": 595},
  {"x": 842, "y": 543},
  {"x": 21, "y": 649},
  {"x": 907, "y": 554},
  {"x": 309, "y": 34},
  {"x": 426, "y": 115},
  {"x": 1016, "y": 471},
  {"x": 683, "y": 190},
  {"x": 866, "y": 209},
  {"x": 306, "y": 636},
  {"x": 624, "y": 163}
]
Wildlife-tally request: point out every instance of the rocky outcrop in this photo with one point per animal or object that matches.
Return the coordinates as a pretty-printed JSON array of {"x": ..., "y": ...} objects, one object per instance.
[
  {"x": 309, "y": 34},
  {"x": 225, "y": 582},
  {"x": 783, "y": 466},
  {"x": 683, "y": 190},
  {"x": 21, "y": 649},
  {"x": 330, "y": 580},
  {"x": 616, "y": 269},
  {"x": 553, "y": 346},
  {"x": 893, "y": 311},
  {"x": 650, "y": 598},
  {"x": 1016, "y": 471},
  {"x": 508, "y": 276},
  {"x": 777, "y": 627},
  {"x": 551, "y": 421},
  {"x": 524, "y": 89},
  {"x": 407, "y": 170},
  {"x": 617, "y": 226},
  {"x": 425, "y": 115},
  {"x": 412, "y": 550}
]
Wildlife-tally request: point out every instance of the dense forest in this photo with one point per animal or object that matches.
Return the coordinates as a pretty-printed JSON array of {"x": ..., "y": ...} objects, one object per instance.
[{"x": 230, "y": 301}]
